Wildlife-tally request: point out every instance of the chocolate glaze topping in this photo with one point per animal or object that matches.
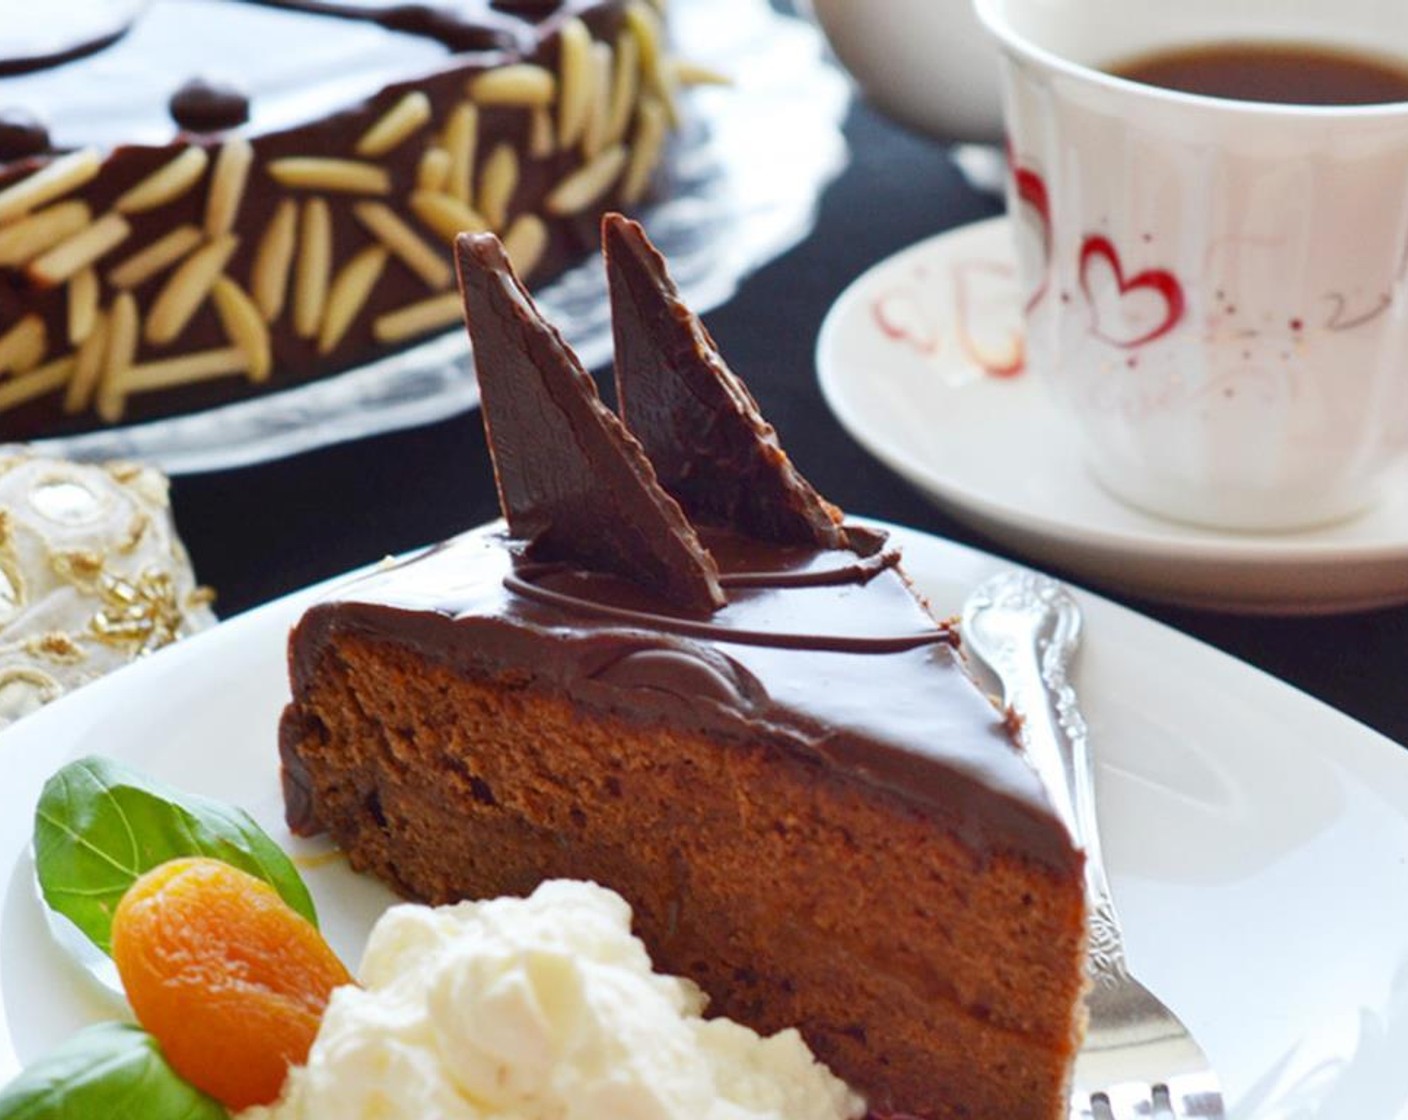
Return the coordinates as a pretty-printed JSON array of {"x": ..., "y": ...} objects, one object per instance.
[
  {"x": 122, "y": 93},
  {"x": 842, "y": 675},
  {"x": 65, "y": 31},
  {"x": 66, "y": 62},
  {"x": 696, "y": 420}
]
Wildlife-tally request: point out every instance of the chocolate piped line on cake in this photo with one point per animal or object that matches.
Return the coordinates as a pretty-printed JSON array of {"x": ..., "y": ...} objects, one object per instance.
[
  {"x": 140, "y": 280},
  {"x": 522, "y": 582},
  {"x": 571, "y": 594}
]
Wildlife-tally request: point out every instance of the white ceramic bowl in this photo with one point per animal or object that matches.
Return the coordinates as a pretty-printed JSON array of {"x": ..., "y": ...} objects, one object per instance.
[{"x": 927, "y": 63}]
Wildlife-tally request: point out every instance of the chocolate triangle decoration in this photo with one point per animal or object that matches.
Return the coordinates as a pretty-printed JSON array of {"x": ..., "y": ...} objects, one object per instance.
[
  {"x": 572, "y": 481},
  {"x": 711, "y": 449}
]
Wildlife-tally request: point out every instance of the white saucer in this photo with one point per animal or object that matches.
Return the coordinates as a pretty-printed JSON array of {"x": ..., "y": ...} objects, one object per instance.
[{"x": 920, "y": 360}]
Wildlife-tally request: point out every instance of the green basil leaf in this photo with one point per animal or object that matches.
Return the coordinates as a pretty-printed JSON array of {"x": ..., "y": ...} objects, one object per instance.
[
  {"x": 100, "y": 825},
  {"x": 112, "y": 1070}
]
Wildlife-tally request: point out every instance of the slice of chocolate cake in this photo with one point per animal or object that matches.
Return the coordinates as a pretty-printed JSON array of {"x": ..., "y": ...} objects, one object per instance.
[{"x": 752, "y": 729}]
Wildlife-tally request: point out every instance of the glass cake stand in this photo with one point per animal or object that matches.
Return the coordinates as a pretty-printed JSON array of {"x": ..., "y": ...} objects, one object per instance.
[{"x": 741, "y": 188}]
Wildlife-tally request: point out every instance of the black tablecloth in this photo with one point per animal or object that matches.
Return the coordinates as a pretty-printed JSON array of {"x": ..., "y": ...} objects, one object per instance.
[{"x": 259, "y": 532}]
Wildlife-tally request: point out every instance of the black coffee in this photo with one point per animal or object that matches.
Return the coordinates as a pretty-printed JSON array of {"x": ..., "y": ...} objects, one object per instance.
[{"x": 1290, "y": 73}]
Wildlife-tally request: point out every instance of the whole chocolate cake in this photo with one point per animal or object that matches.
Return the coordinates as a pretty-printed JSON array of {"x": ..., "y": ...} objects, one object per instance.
[
  {"x": 679, "y": 672},
  {"x": 202, "y": 200}
]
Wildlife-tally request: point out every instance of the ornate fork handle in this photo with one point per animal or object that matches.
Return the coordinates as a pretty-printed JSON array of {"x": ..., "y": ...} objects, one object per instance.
[{"x": 1026, "y": 628}]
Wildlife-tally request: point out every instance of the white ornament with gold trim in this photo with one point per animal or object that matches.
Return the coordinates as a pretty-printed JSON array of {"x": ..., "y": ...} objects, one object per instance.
[{"x": 92, "y": 575}]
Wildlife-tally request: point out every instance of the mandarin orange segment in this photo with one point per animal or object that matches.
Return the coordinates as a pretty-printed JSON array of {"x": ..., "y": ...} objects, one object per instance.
[{"x": 230, "y": 980}]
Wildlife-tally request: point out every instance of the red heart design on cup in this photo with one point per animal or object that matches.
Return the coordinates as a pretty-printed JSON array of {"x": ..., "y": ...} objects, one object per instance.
[
  {"x": 1031, "y": 192},
  {"x": 1167, "y": 307}
]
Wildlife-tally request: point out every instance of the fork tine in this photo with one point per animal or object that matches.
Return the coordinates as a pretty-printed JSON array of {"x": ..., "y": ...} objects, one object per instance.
[
  {"x": 1195, "y": 1096},
  {"x": 1124, "y": 1102},
  {"x": 1186, "y": 1098}
]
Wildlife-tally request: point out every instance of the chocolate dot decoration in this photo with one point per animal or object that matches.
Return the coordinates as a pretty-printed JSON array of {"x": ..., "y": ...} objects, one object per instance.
[
  {"x": 205, "y": 106},
  {"x": 533, "y": 9},
  {"x": 21, "y": 135}
]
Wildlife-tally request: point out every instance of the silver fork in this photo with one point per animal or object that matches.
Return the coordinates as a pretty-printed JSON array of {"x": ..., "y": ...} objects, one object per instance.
[{"x": 1138, "y": 1059}]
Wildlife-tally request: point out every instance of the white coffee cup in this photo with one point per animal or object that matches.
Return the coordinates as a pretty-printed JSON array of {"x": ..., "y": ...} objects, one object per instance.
[{"x": 1217, "y": 290}]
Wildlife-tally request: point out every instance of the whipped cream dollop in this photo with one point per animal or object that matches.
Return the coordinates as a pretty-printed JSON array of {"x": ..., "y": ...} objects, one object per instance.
[{"x": 540, "y": 1008}]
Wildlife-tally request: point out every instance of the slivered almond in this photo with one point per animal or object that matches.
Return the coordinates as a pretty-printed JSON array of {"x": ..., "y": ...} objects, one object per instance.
[
  {"x": 186, "y": 289},
  {"x": 79, "y": 251},
  {"x": 41, "y": 231},
  {"x": 410, "y": 248},
  {"x": 348, "y": 295},
  {"x": 227, "y": 184},
  {"x": 497, "y": 182},
  {"x": 395, "y": 125},
  {"x": 521, "y": 83},
  {"x": 54, "y": 179},
  {"x": 160, "y": 255},
  {"x": 88, "y": 367},
  {"x": 166, "y": 184},
  {"x": 542, "y": 140},
  {"x": 171, "y": 373},
  {"x": 23, "y": 346},
  {"x": 273, "y": 260},
  {"x": 461, "y": 139},
  {"x": 445, "y": 215},
  {"x": 244, "y": 326},
  {"x": 418, "y": 318},
  {"x": 658, "y": 76},
  {"x": 345, "y": 176},
  {"x": 433, "y": 171},
  {"x": 574, "y": 66},
  {"x": 36, "y": 383},
  {"x": 588, "y": 183},
  {"x": 123, "y": 327},
  {"x": 313, "y": 268},
  {"x": 525, "y": 241},
  {"x": 689, "y": 73},
  {"x": 649, "y": 142},
  {"x": 625, "y": 86},
  {"x": 594, "y": 133},
  {"x": 82, "y": 305}
]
